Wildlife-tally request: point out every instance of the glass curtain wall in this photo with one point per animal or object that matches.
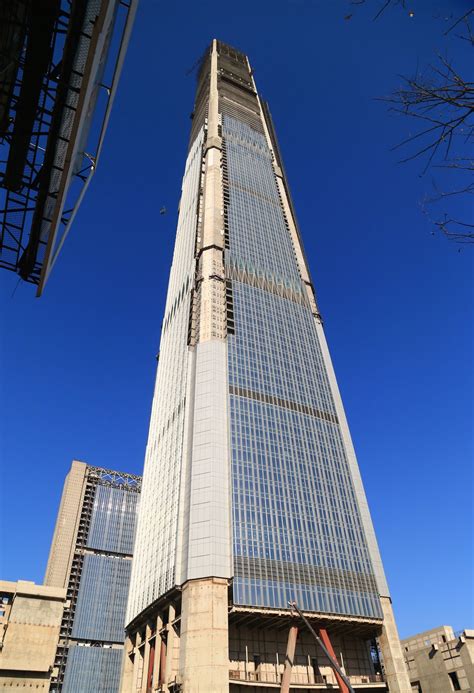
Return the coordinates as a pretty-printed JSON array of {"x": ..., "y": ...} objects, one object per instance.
[{"x": 297, "y": 531}]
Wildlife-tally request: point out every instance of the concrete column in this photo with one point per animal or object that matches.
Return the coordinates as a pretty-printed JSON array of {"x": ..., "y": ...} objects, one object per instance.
[
  {"x": 146, "y": 659},
  {"x": 396, "y": 674},
  {"x": 213, "y": 108},
  {"x": 289, "y": 659},
  {"x": 169, "y": 671},
  {"x": 204, "y": 652},
  {"x": 157, "y": 663},
  {"x": 126, "y": 678},
  {"x": 138, "y": 670},
  {"x": 206, "y": 548},
  {"x": 133, "y": 675}
]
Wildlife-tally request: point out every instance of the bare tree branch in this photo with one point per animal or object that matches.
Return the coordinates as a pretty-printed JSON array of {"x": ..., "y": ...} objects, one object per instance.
[
  {"x": 441, "y": 101},
  {"x": 385, "y": 6},
  {"x": 460, "y": 163},
  {"x": 450, "y": 228},
  {"x": 458, "y": 21}
]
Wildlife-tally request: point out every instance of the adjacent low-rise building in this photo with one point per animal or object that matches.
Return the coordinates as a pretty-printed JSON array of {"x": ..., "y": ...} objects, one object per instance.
[
  {"x": 30, "y": 619},
  {"x": 439, "y": 662}
]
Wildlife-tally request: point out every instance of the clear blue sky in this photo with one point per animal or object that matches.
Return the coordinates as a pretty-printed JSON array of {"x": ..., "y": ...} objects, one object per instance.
[{"x": 78, "y": 365}]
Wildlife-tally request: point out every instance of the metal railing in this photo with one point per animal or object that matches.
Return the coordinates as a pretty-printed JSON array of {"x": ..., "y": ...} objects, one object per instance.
[{"x": 296, "y": 677}]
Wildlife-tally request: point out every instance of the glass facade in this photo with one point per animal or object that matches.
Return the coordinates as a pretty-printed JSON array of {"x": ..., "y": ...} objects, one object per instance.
[
  {"x": 154, "y": 568},
  {"x": 103, "y": 568},
  {"x": 297, "y": 530},
  {"x": 245, "y": 387},
  {"x": 102, "y": 599},
  {"x": 113, "y": 520},
  {"x": 93, "y": 670}
]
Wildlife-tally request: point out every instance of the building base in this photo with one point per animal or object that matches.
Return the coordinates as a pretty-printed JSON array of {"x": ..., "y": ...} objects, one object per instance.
[{"x": 197, "y": 641}]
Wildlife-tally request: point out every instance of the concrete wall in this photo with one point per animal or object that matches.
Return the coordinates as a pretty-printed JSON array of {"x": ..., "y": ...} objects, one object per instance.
[
  {"x": 30, "y": 633},
  {"x": 203, "y": 661},
  {"x": 65, "y": 531},
  {"x": 427, "y": 638},
  {"x": 431, "y": 663},
  {"x": 394, "y": 665}
]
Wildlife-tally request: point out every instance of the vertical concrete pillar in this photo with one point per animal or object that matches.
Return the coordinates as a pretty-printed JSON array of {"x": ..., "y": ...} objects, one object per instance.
[
  {"x": 206, "y": 519},
  {"x": 140, "y": 658},
  {"x": 204, "y": 650},
  {"x": 126, "y": 679},
  {"x": 169, "y": 672},
  {"x": 213, "y": 107},
  {"x": 146, "y": 660},
  {"x": 157, "y": 653},
  {"x": 151, "y": 664},
  {"x": 289, "y": 659},
  {"x": 396, "y": 674},
  {"x": 136, "y": 664}
]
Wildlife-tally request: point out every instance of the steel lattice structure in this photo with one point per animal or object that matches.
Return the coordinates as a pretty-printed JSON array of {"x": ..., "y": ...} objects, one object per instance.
[{"x": 60, "y": 62}]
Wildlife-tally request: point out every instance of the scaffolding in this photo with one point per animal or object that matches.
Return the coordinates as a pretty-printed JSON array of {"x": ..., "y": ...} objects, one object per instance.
[{"x": 60, "y": 62}]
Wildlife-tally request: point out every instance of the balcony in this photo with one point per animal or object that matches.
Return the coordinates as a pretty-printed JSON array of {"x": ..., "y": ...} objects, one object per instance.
[{"x": 302, "y": 680}]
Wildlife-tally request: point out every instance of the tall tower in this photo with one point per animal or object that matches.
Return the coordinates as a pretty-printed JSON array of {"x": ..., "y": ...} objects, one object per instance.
[
  {"x": 91, "y": 556},
  {"x": 252, "y": 496}
]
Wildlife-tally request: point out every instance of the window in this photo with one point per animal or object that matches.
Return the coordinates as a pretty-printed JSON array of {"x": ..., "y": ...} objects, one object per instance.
[
  {"x": 416, "y": 687},
  {"x": 2, "y": 612},
  {"x": 454, "y": 680}
]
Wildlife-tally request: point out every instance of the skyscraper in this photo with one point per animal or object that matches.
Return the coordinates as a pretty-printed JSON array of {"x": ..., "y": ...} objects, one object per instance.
[
  {"x": 252, "y": 496},
  {"x": 91, "y": 556}
]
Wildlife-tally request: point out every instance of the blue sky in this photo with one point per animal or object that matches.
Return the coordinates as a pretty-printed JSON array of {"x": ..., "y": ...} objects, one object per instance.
[{"x": 78, "y": 365}]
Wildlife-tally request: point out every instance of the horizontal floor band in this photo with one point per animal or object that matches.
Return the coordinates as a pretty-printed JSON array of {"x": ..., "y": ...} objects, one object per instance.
[
  {"x": 303, "y": 574},
  {"x": 286, "y": 403}
]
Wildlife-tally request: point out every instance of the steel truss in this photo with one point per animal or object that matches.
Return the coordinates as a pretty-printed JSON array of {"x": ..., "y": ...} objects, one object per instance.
[{"x": 60, "y": 62}]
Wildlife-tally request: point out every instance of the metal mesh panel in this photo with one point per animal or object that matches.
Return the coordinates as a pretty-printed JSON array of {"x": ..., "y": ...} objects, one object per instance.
[{"x": 92, "y": 670}]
